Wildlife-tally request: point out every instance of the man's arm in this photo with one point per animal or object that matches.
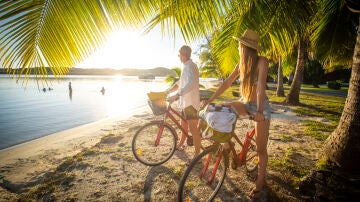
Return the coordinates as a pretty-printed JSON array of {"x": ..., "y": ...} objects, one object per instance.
[
  {"x": 190, "y": 75},
  {"x": 172, "y": 88}
]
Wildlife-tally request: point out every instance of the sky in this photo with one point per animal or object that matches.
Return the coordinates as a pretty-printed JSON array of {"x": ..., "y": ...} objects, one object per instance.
[{"x": 134, "y": 49}]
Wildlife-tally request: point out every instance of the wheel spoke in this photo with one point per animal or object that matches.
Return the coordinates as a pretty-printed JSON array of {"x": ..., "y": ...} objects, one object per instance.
[
  {"x": 197, "y": 183},
  {"x": 154, "y": 144}
]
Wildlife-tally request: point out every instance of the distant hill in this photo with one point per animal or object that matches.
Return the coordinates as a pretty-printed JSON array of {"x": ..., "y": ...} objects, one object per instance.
[{"x": 158, "y": 71}]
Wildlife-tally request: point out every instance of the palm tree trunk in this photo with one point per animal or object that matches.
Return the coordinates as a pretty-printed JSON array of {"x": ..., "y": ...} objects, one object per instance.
[
  {"x": 280, "y": 83},
  {"x": 341, "y": 150},
  {"x": 343, "y": 146},
  {"x": 293, "y": 97}
]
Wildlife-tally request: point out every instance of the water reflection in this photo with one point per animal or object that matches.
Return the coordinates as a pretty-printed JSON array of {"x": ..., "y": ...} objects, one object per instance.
[
  {"x": 102, "y": 90},
  {"x": 70, "y": 94}
]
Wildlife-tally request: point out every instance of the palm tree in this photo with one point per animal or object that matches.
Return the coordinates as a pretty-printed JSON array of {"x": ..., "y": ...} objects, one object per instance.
[
  {"x": 173, "y": 79},
  {"x": 280, "y": 82},
  {"x": 347, "y": 132},
  {"x": 341, "y": 149},
  {"x": 208, "y": 65}
]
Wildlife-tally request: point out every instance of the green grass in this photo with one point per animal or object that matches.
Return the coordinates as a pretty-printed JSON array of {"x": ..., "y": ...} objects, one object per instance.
[
  {"x": 324, "y": 88},
  {"x": 285, "y": 137},
  {"x": 57, "y": 180},
  {"x": 317, "y": 105},
  {"x": 314, "y": 104},
  {"x": 102, "y": 167},
  {"x": 318, "y": 130},
  {"x": 288, "y": 166}
]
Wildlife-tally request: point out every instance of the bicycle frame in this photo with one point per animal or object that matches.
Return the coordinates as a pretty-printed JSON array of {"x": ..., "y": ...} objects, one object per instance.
[
  {"x": 241, "y": 157},
  {"x": 245, "y": 147},
  {"x": 171, "y": 113}
]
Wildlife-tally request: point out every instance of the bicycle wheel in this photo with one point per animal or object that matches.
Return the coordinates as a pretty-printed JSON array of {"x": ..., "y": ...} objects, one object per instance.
[
  {"x": 194, "y": 184},
  {"x": 251, "y": 157},
  {"x": 144, "y": 145}
]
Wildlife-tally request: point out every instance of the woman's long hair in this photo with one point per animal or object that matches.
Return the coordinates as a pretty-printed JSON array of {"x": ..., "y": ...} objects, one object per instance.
[{"x": 248, "y": 70}]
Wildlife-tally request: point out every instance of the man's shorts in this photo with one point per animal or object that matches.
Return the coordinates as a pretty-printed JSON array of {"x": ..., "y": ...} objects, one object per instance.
[
  {"x": 251, "y": 107},
  {"x": 190, "y": 113}
]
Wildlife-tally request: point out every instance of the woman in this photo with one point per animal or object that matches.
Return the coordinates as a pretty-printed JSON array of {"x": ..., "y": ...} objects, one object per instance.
[{"x": 252, "y": 70}]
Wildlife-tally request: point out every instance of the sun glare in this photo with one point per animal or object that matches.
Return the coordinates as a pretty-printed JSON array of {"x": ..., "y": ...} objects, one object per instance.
[{"x": 133, "y": 49}]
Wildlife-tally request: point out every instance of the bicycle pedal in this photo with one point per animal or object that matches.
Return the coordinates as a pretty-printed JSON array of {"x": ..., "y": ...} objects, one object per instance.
[
  {"x": 189, "y": 141},
  {"x": 234, "y": 164}
]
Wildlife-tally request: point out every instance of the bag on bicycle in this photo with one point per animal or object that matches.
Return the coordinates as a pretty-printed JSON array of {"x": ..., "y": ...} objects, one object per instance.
[{"x": 220, "y": 121}]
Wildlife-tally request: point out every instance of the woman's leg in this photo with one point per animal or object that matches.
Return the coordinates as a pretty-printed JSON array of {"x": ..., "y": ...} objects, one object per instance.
[
  {"x": 262, "y": 134},
  {"x": 240, "y": 108}
]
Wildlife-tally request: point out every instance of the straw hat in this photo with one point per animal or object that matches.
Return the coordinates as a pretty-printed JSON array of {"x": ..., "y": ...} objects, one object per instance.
[{"x": 250, "y": 39}]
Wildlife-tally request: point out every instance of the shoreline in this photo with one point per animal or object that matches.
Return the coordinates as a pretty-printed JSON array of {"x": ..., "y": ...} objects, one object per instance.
[
  {"x": 82, "y": 136},
  {"x": 29, "y": 163},
  {"x": 97, "y": 122}
]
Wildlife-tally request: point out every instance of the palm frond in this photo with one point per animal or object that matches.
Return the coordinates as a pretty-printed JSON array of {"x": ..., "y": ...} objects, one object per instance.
[
  {"x": 334, "y": 35},
  {"x": 56, "y": 34},
  {"x": 173, "y": 79}
]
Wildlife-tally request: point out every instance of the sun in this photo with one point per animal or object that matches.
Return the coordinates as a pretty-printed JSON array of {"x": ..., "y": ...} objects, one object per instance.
[{"x": 134, "y": 49}]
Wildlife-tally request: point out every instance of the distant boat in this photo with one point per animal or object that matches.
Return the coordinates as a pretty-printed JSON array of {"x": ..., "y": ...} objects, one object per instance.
[{"x": 147, "y": 76}]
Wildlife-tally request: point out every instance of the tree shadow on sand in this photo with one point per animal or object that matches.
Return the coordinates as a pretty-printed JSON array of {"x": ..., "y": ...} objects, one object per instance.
[{"x": 154, "y": 174}]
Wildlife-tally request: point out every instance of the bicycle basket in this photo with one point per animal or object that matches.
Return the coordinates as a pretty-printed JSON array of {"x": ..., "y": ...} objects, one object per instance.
[
  {"x": 157, "y": 102},
  {"x": 220, "y": 121},
  {"x": 217, "y": 136}
]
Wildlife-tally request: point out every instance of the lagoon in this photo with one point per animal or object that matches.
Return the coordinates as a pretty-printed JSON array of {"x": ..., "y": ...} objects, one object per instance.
[{"x": 27, "y": 112}]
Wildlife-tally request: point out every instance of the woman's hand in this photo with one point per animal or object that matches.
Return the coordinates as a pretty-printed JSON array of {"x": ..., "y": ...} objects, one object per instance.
[
  {"x": 259, "y": 116},
  {"x": 203, "y": 104}
]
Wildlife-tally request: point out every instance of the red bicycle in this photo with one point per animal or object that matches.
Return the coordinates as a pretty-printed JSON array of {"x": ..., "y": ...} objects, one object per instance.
[
  {"x": 155, "y": 142},
  {"x": 205, "y": 175}
]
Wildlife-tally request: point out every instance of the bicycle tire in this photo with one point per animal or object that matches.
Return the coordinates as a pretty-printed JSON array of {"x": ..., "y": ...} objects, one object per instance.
[
  {"x": 144, "y": 148},
  {"x": 194, "y": 188},
  {"x": 251, "y": 157}
]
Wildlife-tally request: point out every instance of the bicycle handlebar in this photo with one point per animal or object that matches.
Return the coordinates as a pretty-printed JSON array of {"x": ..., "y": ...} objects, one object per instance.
[{"x": 250, "y": 117}]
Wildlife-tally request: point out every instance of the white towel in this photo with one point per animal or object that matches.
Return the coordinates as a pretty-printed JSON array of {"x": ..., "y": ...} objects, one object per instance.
[{"x": 220, "y": 120}]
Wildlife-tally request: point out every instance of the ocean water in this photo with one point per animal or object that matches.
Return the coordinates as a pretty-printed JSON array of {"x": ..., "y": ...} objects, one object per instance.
[{"x": 27, "y": 112}]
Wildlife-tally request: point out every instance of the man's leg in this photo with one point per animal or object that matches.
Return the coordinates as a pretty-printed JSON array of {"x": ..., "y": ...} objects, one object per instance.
[
  {"x": 183, "y": 136},
  {"x": 193, "y": 126},
  {"x": 192, "y": 118}
]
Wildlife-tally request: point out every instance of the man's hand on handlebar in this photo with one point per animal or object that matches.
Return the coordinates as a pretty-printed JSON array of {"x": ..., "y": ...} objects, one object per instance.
[{"x": 173, "y": 98}]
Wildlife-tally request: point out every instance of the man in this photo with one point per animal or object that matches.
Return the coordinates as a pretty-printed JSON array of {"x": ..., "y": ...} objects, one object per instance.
[{"x": 189, "y": 97}]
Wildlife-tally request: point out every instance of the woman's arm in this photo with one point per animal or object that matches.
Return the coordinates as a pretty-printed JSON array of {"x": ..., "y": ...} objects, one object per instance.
[
  {"x": 225, "y": 85},
  {"x": 263, "y": 66}
]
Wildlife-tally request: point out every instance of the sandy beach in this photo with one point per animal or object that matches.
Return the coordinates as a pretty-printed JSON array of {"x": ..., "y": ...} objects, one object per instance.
[{"x": 95, "y": 162}]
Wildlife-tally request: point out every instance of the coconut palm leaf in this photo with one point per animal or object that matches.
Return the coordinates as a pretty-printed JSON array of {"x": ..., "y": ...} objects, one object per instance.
[
  {"x": 334, "y": 41},
  {"x": 173, "y": 79},
  {"x": 57, "y": 34}
]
